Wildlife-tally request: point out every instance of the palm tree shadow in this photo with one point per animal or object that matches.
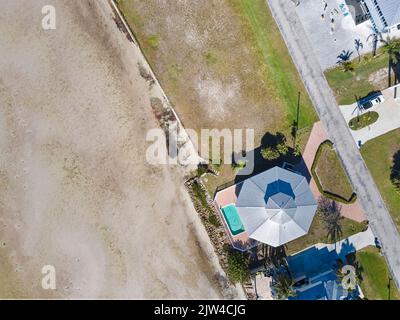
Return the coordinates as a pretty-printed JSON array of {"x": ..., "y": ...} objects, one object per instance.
[
  {"x": 344, "y": 56},
  {"x": 395, "y": 68}
]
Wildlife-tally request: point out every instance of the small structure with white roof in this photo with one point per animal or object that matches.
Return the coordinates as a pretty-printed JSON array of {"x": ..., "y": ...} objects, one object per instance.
[
  {"x": 276, "y": 206},
  {"x": 273, "y": 207}
]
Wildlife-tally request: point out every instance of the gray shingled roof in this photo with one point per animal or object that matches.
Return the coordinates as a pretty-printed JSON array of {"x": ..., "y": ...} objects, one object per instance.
[
  {"x": 390, "y": 10},
  {"x": 276, "y": 206}
]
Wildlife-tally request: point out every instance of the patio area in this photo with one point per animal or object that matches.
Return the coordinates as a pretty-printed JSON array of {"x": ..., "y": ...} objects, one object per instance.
[{"x": 226, "y": 197}]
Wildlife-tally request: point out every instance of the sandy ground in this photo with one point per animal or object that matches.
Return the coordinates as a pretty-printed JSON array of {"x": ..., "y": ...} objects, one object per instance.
[{"x": 75, "y": 189}]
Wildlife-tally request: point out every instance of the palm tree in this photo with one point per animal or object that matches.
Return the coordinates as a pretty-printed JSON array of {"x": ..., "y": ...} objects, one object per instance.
[
  {"x": 274, "y": 257},
  {"x": 282, "y": 284},
  {"x": 330, "y": 212},
  {"x": 392, "y": 48},
  {"x": 376, "y": 36},
  {"x": 358, "y": 45}
]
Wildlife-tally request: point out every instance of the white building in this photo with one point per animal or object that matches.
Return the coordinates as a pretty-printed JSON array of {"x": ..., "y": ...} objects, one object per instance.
[{"x": 384, "y": 14}]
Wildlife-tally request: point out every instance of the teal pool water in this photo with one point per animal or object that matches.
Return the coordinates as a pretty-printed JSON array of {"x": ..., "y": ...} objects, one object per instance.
[{"x": 232, "y": 218}]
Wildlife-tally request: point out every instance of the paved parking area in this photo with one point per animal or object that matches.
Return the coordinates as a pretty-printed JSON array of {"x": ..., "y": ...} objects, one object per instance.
[
  {"x": 330, "y": 39},
  {"x": 389, "y": 117}
]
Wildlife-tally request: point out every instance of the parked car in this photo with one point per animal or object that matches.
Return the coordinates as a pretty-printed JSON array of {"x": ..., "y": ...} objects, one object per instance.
[{"x": 369, "y": 102}]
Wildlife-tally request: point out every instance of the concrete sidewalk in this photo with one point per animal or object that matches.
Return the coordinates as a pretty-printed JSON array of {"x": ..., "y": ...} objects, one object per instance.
[{"x": 353, "y": 243}]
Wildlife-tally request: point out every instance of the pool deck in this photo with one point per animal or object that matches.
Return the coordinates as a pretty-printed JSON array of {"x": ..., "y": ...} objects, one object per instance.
[{"x": 226, "y": 197}]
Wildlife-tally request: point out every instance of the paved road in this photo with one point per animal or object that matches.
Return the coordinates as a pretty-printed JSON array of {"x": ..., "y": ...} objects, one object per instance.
[{"x": 302, "y": 53}]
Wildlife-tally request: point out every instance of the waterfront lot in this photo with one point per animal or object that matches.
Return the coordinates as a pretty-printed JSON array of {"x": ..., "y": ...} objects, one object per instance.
[
  {"x": 76, "y": 191},
  {"x": 223, "y": 64}
]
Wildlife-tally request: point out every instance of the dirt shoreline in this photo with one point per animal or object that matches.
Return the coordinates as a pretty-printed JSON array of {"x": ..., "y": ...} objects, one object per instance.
[{"x": 76, "y": 191}]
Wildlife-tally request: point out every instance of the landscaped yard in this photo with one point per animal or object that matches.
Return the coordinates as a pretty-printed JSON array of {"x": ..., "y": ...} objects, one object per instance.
[
  {"x": 371, "y": 74},
  {"x": 318, "y": 233},
  {"x": 223, "y": 64},
  {"x": 378, "y": 154},
  {"x": 363, "y": 120},
  {"x": 330, "y": 174},
  {"x": 375, "y": 275}
]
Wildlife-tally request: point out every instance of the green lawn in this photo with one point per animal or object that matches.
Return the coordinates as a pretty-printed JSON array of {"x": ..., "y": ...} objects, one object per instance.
[
  {"x": 330, "y": 173},
  {"x": 317, "y": 233},
  {"x": 378, "y": 154},
  {"x": 273, "y": 55},
  {"x": 363, "y": 120},
  {"x": 375, "y": 275},
  {"x": 349, "y": 85}
]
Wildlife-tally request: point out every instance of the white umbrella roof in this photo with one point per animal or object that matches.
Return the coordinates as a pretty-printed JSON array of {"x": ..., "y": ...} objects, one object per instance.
[{"x": 276, "y": 206}]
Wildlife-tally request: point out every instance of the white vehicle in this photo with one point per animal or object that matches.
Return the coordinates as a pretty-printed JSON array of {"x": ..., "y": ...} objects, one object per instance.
[{"x": 373, "y": 101}]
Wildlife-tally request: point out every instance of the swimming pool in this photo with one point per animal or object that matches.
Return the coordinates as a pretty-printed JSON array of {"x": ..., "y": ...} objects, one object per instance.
[{"x": 232, "y": 219}]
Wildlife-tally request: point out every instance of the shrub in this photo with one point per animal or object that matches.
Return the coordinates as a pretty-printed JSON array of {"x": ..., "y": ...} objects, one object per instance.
[
  {"x": 200, "y": 195},
  {"x": 239, "y": 165},
  {"x": 270, "y": 153},
  {"x": 282, "y": 148},
  {"x": 213, "y": 220},
  {"x": 275, "y": 147},
  {"x": 202, "y": 169},
  {"x": 238, "y": 265},
  {"x": 395, "y": 178},
  {"x": 297, "y": 151},
  {"x": 347, "y": 66}
]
